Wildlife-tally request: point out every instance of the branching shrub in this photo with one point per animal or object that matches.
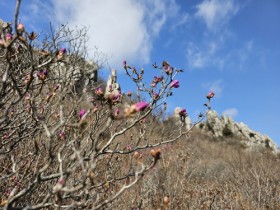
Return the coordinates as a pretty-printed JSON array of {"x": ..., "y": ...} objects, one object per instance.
[{"x": 64, "y": 143}]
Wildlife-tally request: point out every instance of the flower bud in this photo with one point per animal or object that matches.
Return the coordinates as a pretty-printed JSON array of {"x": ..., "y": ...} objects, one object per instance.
[
  {"x": 136, "y": 155},
  {"x": 57, "y": 188},
  {"x": 155, "y": 153},
  {"x": 175, "y": 84},
  {"x": 210, "y": 95},
  {"x": 129, "y": 93},
  {"x": 8, "y": 37},
  {"x": 99, "y": 92},
  {"x": 20, "y": 28},
  {"x": 82, "y": 113},
  {"x": 1, "y": 43},
  {"x": 166, "y": 201}
]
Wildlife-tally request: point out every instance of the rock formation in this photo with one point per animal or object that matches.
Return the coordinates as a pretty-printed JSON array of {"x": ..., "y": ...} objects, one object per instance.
[
  {"x": 224, "y": 126},
  {"x": 112, "y": 86},
  {"x": 188, "y": 122}
]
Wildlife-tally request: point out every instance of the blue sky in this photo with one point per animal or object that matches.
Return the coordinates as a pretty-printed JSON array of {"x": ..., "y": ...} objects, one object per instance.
[{"x": 231, "y": 47}]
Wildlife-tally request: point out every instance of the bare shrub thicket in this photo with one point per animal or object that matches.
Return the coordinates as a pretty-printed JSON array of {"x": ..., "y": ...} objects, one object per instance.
[
  {"x": 65, "y": 144},
  {"x": 199, "y": 173}
]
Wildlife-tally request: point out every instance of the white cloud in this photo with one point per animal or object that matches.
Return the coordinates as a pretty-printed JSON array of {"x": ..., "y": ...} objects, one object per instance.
[
  {"x": 195, "y": 56},
  {"x": 204, "y": 54},
  {"x": 36, "y": 11},
  {"x": 216, "y": 13},
  {"x": 122, "y": 29},
  {"x": 182, "y": 20},
  {"x": 231, "y": 112},
  {"x": 215, "y": 86}
]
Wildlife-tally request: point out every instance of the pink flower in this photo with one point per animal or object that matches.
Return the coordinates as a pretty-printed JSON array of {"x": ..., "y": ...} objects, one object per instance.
[
  {"x": 49, "y": 96},
  {"x": 117, "y": 112},
  {"x": 128, "y": 147},
  {"x": 95, "y": 108},
  {"x": 9, "y": 36},
  {"x": 63, "y": 50},
  {"x": 183, "y": 114},
  {"x": 168, "y": 70},
  {"x": 141, "y": 106},
  {"x": 153, "y": 84},
  {"x": 82, "y": 113},
  {"x": 62, "y": 135},
  {"x": 210, "y": 95},
  {"x": 157, "y": 79},
  {"x": 60, "y": 183},
  {"x": 155, "y": 95},
  {"x": 42, "y": 74},
  {"x": 27, "y": 96},
  {"x": 175, "y": 84},
  {"x": 129, "y": 93},
  {"x": 116, "y": 97},
  {"x": 20, "y": 28},
  {"x": 99, "y": 91}
]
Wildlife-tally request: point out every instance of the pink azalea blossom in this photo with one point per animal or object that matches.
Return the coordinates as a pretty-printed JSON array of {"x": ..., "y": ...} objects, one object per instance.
[
  {"x": 63, "y": 50},
  {"x": 27, "y": 96},
  {"x": 128, "y": 147},
  {"x": 9, "y": 36},
  {"x": 141, "y": 106},
  {"x": 82, "y": 113},
  {"x": 210, "y": 95},
  {"x": 117, "y": 112},
  {"x": 153, "y": 84},
  {"x": 157, "y": 79},
  {"x": 116, "y": 97},
  {"x": 62, "y": 135},
  {"x": 183, "y": 113},
  {"x": 168, "y": 70},
  {"x": 20, "y": 28},
  {"x": 42, "y": 74},
  {"x": 129, "y": 93},
  {"x": 99, "y": 91},
  {"x": 175, "y": 84},
  {"x": 155, "y": 95},
  {"x": 95, "y": 108}
]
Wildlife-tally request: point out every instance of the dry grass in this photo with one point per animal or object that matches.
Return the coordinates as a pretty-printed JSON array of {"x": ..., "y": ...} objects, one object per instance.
[{"x": 198, "y": 173}]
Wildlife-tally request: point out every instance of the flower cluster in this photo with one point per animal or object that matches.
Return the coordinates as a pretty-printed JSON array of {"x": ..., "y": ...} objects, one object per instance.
[{"x": 156, "y": 80}]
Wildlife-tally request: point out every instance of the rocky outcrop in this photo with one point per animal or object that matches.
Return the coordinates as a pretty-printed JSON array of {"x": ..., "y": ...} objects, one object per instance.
[
  {"x": 224, "y": 126},
  {"x": 112, "y": 86},
  {"x": 177, "y": 118}
]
